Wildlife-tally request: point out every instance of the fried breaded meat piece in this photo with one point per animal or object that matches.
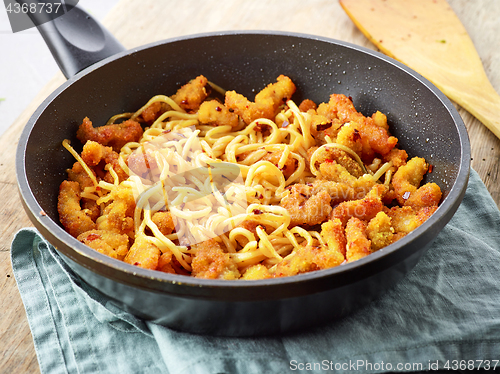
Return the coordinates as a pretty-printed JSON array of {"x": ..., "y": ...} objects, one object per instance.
[
  {"x": 211, "y": 262},
  {"x": 75, "y": 220},
  {"x": 115, "y": 135},
  {"x": 267, "y": 102},
  {"x": 190, "y": 96}
]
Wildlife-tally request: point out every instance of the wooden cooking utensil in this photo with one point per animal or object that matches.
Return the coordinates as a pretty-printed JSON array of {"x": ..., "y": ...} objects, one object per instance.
[{"x": 427, "y": 36}]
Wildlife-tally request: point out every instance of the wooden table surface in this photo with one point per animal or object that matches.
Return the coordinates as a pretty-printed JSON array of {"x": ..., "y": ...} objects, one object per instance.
[{"x": 138, "y": 22}]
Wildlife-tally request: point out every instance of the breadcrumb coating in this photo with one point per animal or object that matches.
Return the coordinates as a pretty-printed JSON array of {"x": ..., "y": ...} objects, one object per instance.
[
  {"x": 380, "y": 231},
  {"x": 97, "y": 156},
  {"x": 309, "y": 258},
  {"x": 75, "y": 220},
  {"x": 305, "y": 207},
  {"x": 164, "y": 221},
  {"x": 143, "y": 253},
  {"x": 115, "y": 135},
  {"x": 334, "y": 236},
  {"x": 364, "y": 209},
  {"x": 408, "y": 177},
  {"x": 118, "y": 215},
  {"x": 211, "y": 262},
  {"x": 190, "y": 96},
  {"x": 110, "y": 243},
  {"x": 358, "y": 244},
  {"x": 267, "y": 102},
  {"x": 215, "y": 113},
  {"x": 254, "y": 272}
]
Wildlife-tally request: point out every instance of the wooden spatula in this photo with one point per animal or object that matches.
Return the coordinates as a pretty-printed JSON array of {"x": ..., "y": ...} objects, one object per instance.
[{"x": 427, "y": 36}]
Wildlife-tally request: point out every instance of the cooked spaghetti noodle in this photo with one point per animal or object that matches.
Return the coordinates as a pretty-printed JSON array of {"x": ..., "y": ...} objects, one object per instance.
[{"x": 240, "y": 189}]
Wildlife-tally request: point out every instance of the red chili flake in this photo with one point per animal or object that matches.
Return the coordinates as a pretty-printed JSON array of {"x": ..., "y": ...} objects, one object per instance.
[
  {"x": 329, "y": 161},
  {"x": 261, "y": 196},
  {"x": 218, "y": 109},
  {"x": 166, "y": 131},
  {"x": 350, "y": 98},
  {"x": 93, "y": 236},
  {"x": 257, "y": 211},
  {"x": 184, "y": 102},
  {"x": 431, "y": 167},
  {"x": 137, "y": 263},
  {"x": 324, "y": 126},
  {"x": 304, "y": 195},
  {"x": 188, "y": 247},
  {"x": 356, "y": 135},
  {"x": 406, "y": 195},
  {"x": 260, "y": 127},
  {"x": 231, "y": 110}
]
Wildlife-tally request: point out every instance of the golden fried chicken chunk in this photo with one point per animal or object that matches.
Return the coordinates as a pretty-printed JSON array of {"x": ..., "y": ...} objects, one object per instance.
[
  {"x": 309, "y": 258},
  {"x": 408, "y": 177},
  {"x": 425, "y": 196},
  {"x": 211, "y": 262},
  {"x": 153, "y": 111},
  {"x": 115, "y": 135},
  {"x": 380, "y": 231},
  {"x": 108, "y": 243},
  {"x": 349, "y": 136},
  {"x": 397, "y": 156},
  {"x": 358, "y": 244},
  {"x": 406, "y": 219},
  {"x": 215, "y": 113},
  {"x": 267, "y": 102},
  {"x": 78, "y": 174},
  {"x": 306, "y": 208},
  {"x": 333, "y": 234},
  {"x": 97, "y": 156},
  {"x": 143, "y": 253},
  {"x": 164, "y": 221},
  {"x": 190, "y": 96},
  {"x": 166, "y": 263},
  {"x": 364, "y": 209},
  {"x": 118, "y": 215},
  {"x": 375, "y": 138},
  {"x": 257, "y": 271},
  {"x": 75, "y": 220},
  {"x": 307, "y": 105}
]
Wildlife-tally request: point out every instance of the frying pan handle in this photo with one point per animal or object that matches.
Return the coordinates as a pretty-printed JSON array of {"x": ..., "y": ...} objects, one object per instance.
[{"x": 75, "y": 39}]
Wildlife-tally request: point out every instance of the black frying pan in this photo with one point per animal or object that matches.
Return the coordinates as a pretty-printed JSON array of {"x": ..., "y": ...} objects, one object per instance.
[{"x": 422, "y": 118}]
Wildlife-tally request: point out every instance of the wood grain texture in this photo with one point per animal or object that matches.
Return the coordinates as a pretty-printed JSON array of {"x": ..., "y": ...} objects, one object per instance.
[
  {"x": 139, "y": 22},
  {"x": 431, "y": 40}
]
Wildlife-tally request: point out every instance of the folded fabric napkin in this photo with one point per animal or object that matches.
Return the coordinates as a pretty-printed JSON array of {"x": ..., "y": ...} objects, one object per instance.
[{"x": 444, "y": 314}]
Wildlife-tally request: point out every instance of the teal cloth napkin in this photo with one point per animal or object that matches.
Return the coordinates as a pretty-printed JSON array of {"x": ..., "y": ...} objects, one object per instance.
[{"x": 445, "y": 314}]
